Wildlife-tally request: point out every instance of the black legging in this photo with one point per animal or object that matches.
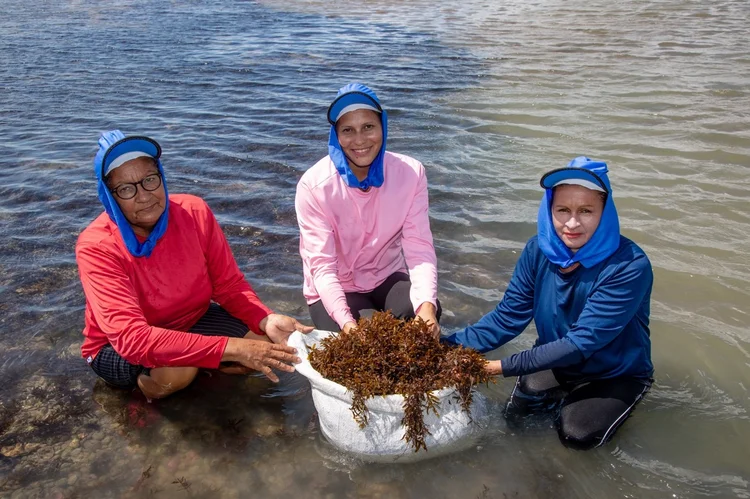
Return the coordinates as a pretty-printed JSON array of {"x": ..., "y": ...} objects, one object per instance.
[
  {"x": 588, "y": 413},
  {"x": 118, "y": 372},
  {"x": 392, "y": 294}
]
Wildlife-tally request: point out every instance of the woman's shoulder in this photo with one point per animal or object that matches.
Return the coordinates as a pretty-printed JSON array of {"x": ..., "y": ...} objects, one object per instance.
[
  {"x": 404, "y": 171},
  {"x": 629, "y": 261},
  {"x": 100, "y": 244},
  {"x": 187, "y": 201},
  {"x": 100, "y": 231},
  {"x": 531, "y": 249},
  {"x": 319, "y": 173},
  {"x": 630, "y": 252},
  {"x": 187, "y": 206},
  {"x": 398, "y": 159}
]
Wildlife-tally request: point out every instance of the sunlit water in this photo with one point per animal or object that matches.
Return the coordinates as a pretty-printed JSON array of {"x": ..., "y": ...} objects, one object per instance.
[{"x": 488, "y": 95}]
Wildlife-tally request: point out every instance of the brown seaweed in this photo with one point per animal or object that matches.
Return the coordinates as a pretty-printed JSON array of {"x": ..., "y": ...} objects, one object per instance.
[{"x": 384, "y": 356}]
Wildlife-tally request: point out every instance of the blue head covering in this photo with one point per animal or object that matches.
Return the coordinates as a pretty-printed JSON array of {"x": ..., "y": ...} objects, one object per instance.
[
  {"x": 606, "y": 238},
  {"x": 350, "y": 97},
  {"x": 113, "y": 145}
]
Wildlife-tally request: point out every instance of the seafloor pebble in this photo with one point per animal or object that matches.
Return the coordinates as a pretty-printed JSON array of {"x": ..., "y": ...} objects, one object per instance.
[
  {"x": 279, "y": 477},
  {"x": 46, "y": 453},
  {"x": 269, "y": 430},
  {"x": 12, "y": 450},
  {"x": 378, "y": 490},
  {"x": 21, "y": 493},
  {"x": 73, "y": 351},
  {"x": 90, "y": 445}
]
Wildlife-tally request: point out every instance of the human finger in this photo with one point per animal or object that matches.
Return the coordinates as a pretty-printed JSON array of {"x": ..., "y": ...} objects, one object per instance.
[
  {"x": 281, "y": 352},
  {"x": 289, "y": 358},
  {"x": 276, "y": 347},
  {"x": 268, "y": 372},
  {"x": 281, "y": 366},
  {"x": 435, "y": 330},
  {"x": 302, "y": 328}
]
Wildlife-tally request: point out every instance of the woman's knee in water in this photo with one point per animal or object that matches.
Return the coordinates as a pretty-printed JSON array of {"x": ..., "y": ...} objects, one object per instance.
[{"x": 164, "y": 381}]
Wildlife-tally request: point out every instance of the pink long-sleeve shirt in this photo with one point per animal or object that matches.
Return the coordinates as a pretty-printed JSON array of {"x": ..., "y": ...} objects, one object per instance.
[{"x": 351, "y": 241}]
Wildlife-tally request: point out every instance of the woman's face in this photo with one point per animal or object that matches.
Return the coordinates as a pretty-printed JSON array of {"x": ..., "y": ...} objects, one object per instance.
[
  {"x": 361, "y": 137},
  {"x": 144, "y": 209},
  {"x": 576, "y": 212}
]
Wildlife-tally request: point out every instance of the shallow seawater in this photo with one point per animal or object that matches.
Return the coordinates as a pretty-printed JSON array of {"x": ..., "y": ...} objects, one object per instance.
[{"x": 488, "y": 95}]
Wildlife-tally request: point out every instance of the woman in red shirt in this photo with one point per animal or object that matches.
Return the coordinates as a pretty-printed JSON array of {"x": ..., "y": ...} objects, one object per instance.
[{"x": 164, "y": 295}]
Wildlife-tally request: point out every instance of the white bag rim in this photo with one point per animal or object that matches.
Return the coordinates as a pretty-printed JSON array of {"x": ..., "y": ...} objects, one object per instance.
[{"x": 382, "y": 403}]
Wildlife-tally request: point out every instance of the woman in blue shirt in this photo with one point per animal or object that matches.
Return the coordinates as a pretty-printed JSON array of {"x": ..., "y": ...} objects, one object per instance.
[{"x": 588, "y": 290}]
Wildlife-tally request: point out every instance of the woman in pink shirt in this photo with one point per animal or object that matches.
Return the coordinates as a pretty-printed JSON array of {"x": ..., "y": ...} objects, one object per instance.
[
  {"x": 164, "y": 295},
  {"x": 365, "y": 236}
]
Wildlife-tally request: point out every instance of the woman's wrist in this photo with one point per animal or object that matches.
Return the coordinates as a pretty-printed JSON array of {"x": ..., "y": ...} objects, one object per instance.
[
  {"x": 262, "y": 325},
  {"x": 230, "y": 350},
  {"x": 494, "y": 367},
  {"x": 426, "y": 307}
]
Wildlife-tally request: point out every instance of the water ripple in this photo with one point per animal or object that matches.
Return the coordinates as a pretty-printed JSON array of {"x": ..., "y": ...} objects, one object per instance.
[{"x": 488, "y": 96}]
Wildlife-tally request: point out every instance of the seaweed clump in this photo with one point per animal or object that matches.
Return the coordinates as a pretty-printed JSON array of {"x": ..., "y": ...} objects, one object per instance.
[{"x": 385, "y": 356}]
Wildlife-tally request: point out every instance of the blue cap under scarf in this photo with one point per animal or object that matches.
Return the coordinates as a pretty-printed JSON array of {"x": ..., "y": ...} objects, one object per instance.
[
  {"x": 355, "y": 93},
  {"x": 106, "y": 142},
  {"x": 606, "y": 238}
]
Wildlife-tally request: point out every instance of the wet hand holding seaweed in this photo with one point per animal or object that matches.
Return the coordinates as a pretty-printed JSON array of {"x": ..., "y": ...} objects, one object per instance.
[{"x": 404, "y": 388}]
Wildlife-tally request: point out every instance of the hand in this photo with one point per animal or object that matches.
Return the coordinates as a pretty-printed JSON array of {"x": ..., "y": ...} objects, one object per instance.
[
  {"x": 494, "y": 367},
  {"x": 349, "y": 326},
  {"x": 279, "y": 327},
  {"x": 261, "y": 356},
  {"x": 426, "y": 312}
]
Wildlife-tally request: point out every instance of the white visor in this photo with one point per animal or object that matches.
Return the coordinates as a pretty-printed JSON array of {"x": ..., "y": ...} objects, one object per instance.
[
  {"x": 354, "y": 107},
  {"x": 120, "y": 160},
  {"x": 583, "y": 183}
]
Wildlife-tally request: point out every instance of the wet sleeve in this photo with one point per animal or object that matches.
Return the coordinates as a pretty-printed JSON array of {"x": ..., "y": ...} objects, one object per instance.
[
  {"x": 608, "y": 310},
  {"x": 230, "y": 289},
  {"x": 510, "y": 317},
  {"x": 560, "y": 353},
  {"x": 318, "y": 249},
  {"x": 419, "y": 251},
  {"x": 115, "y": 305}
]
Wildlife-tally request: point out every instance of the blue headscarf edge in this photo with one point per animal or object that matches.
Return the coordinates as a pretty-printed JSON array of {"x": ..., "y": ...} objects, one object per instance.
[
  {"x": 603, "y": 243},
  {"x": 375, "y": 175},
  {"x": 135, "y": 247}
]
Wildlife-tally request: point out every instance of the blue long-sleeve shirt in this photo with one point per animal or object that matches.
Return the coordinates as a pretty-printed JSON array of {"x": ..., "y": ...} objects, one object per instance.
[{"x": 592, "y": 322}]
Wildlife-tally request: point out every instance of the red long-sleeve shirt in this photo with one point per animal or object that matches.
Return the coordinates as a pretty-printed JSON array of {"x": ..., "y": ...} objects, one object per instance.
[{"x": 141, "y": 306}]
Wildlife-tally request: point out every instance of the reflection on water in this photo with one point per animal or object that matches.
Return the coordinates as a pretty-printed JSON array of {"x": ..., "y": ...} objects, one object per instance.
[{"x": 488, "y": 95}]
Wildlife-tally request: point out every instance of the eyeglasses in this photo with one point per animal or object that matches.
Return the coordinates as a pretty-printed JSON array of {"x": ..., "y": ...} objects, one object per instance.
[{"x": 129, "y": 190}]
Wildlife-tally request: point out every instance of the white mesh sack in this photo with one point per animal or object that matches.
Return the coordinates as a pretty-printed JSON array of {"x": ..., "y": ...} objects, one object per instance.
[{"x": 382, "y": 439}]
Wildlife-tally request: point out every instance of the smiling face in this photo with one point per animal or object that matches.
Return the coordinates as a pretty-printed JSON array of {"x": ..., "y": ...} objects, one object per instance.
[
  {"x": 576, "y": 212},
  {"x": 145, "y": 208},
  {"x": 360, "y": 135}
]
